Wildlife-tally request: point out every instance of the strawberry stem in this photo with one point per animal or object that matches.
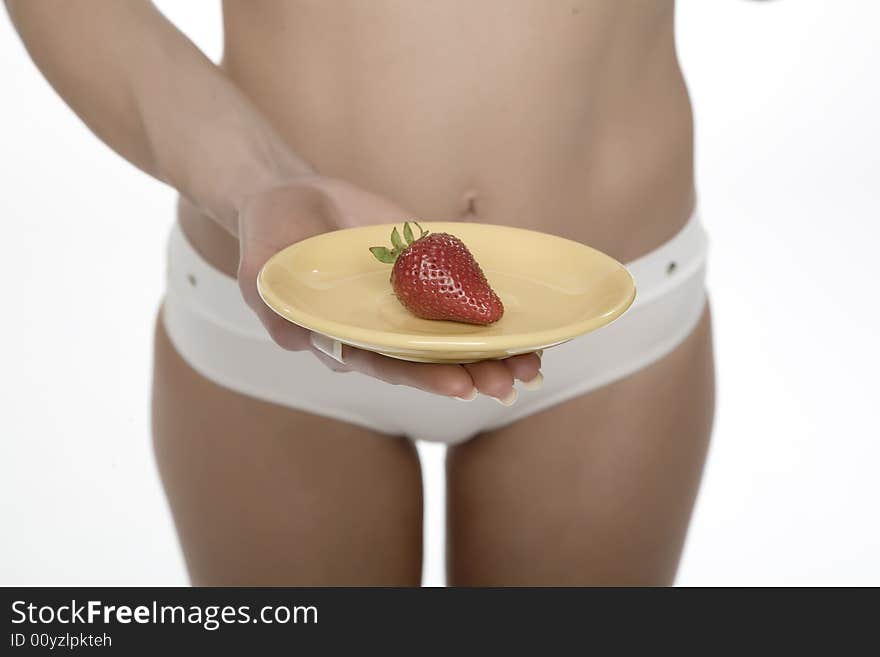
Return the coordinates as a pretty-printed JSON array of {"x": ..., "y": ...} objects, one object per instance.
[{"x": 388, "y": 256}]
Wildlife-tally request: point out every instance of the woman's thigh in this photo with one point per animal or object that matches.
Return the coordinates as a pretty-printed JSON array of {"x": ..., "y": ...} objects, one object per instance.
[
  {"x": 265, "y": 495},
  {"x": 596, "y": 491}
]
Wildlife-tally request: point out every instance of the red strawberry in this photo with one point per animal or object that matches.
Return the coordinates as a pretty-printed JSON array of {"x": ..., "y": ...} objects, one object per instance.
[{"x": 436, "y": 277}]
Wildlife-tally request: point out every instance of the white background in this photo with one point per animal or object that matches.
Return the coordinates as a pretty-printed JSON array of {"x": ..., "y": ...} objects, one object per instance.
[{"x": 787, "y": 103}]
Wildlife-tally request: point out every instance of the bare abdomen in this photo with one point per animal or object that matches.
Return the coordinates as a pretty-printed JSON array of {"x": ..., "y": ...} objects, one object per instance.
[{"x": 573, "y": 120}]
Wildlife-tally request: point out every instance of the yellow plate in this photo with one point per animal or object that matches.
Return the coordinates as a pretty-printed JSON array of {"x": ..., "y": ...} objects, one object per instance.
[{"x": 553, "y": 289}]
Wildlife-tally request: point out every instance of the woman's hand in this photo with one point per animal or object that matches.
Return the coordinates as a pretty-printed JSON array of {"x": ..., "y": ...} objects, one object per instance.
[
  {"x": 168, "y": 109},
  {"x": 310, "y": 205}
]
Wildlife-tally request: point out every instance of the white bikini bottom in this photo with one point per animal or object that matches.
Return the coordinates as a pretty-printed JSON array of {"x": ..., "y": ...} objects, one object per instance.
[{"x": 219, "y": 336}]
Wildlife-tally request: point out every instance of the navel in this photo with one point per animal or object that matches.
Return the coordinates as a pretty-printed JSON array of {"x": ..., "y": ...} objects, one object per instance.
[{"x": 469, "y": 203}]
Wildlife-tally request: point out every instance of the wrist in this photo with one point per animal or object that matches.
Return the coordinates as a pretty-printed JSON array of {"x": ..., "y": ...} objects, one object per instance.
[
  {"x": 265, "y": 167},
  {"x": 231, "y": 156}
]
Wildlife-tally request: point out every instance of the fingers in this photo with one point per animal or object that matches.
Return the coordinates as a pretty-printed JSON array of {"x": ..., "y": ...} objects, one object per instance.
[
  {"x": 493, "y": 378},
  {"x": 447, "y": 380},
  {"x": 526, "y": 368}
]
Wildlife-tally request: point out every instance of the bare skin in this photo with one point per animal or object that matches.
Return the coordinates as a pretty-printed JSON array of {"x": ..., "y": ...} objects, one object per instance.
[
  {"x": 266, "y": 496},
  {"x": 571, "y": 118},
  {"x": 603, "y": 498}
]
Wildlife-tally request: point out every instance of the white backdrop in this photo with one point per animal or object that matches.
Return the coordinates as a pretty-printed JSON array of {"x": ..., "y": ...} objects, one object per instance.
[{"x": 787, "y": 103}]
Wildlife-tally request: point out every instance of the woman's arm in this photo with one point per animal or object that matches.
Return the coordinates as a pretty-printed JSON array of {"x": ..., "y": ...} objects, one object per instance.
[{"x": 150, "y": 94}]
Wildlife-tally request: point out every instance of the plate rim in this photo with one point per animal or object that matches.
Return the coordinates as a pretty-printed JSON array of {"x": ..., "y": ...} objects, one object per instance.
[{"x": 451, "y": 344}]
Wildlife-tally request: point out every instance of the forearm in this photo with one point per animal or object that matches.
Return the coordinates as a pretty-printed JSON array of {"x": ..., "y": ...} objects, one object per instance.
[{"x": 152, "y": 96}]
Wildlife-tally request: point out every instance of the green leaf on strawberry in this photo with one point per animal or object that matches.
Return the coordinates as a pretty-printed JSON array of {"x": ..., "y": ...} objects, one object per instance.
[
  {"x": 388, "y": 256},
  {"x": 396, "y": 241},
  {"x": 383, "y": 254}
]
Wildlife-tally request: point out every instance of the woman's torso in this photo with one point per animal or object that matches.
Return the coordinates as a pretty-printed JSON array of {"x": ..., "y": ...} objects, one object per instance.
[{"x": 567, "y": 117}]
